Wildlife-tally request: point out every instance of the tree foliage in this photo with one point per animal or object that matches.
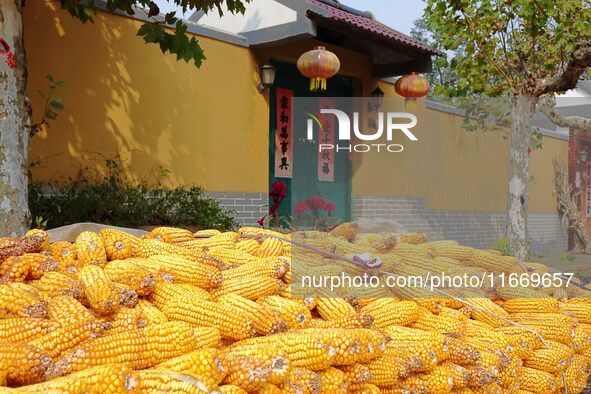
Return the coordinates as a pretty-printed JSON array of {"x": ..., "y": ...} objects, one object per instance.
[
  {"x": 155, "y": 28},
  {"x": 514, "y": 47}
]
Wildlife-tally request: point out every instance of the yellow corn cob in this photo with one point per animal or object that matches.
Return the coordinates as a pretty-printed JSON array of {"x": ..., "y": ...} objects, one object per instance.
[
  {"x": 265, "y": 321},
  {"x": 40, "y": 263},
  {"x": 274, "y": 267},
  {"x": 419, "y": 356},
  {"x": 456, "y": 252},
  {"x": 533, "y": 305},
  {"x": 20, "y": 302},
  {"x": 462, "y": 353},
  {"x": 406, "y": 334},
  {"x": 536, "y": 381},
  {"x": 139, "y": 348},
  {"x": 232, "y": 323},
  {"x": 182, "y": 270},
  {"x": 127, "y": 319},
  {"x": 38, "y": 232},
  {"x": 128, "y": 297},
  {"x": 413, "y": 238},
  {"x": 333, "y": 308},
  {"x": 357, "y": 373},
  {"x": 171, "y": 235},
  {"x": 391, "y": 311},
  {"x": 67, "y": 337},
  {"x": 55, "y": 284},
  {"x": 440, "y": 380},
  {"x": 14, "y": 269},
  {"x": 270, "y": 247},
  {"x": 118, "y": 244},
  {"x": 248, "y": 287},
  {"x": 226, "y": 240},
  {"x": 104, "y": 379},
  {"x": 576, "y": 374},
  {"x": 269, "y": 388},
  {"x": 368, "y": 388},
  {"x": 250, "y": 246},
  {"x": 491, "y": 361},
  {"x": 255, "y": 231},
  {"x": 387, "y": 370},
  {"x": 444, "y": 324},
  {"x": 560, "y": 294},
  {"x": 206, "y": 233},
  {"x": 66, "y": 310},
  {"x": 495, "y": 339},
  {"x": 152, "y": 314},
  {"x": 151, "y": 247},
  {"x": 582, "y": 338},
  {"x": 91, "y": 249},
  {"x": 354, "y": 320},
  {"x": 24, "y": 364},
  {"x": 132, "y": 275},
  {"x": 25, "y": 329},
  {"x": 480, "y": 377},
  {"x": 251, "y": 372},
  {"x": 230, "y": 257},
  {"x": 345, "y": 230},
  {"x": 296, "y": 314},
  {"x": 492, "y": 262},
  {"x": 486, "y": 311},
  {"x": 334, "y": 381},
  {"x": 313, "y": 350},
  {"x": 100, "y": 291},
  {"x": 549, "y": 327},
  {"x": 206, "y": 365},
  {"x": 551, "y": 359},
  {"x": 232, "y": 389},
  {"x": 276, "y": 365},
  {"x": 582, "y": 311},
  {"x": 171, "y": 292},
  {"x": 302, "y": 380},
  {"x": 308, "y": 300},
  {"x": 160, "y": 382},
  {"x": 64, "y": 252}
]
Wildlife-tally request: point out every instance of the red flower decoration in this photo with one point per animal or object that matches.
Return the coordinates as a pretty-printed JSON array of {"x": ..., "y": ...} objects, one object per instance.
[
  {"x": 261, "y": 221},
  {"x": 278, "y": 190},
  {"x": 329, "y": 207},
  {"x": 315, "y": 203},
  {"x": 301, "y": 207}
]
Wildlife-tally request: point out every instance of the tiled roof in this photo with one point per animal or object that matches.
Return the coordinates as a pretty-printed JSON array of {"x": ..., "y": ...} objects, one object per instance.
[{"x": 372, "y": 26}]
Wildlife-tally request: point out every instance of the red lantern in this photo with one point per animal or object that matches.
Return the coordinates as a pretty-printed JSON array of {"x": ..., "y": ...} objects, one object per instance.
[
  {"x": 318, "y": 65},
  {"x": 412, "y": 86}
]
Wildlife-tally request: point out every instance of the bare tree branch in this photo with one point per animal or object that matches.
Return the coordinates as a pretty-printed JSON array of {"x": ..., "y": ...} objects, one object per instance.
[
  {"x": 578, "y": 63},
  {"x": 548, "y": 107}
]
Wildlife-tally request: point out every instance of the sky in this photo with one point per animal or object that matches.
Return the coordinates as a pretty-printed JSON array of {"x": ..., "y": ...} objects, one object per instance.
[{"x": 398, "y": 14}]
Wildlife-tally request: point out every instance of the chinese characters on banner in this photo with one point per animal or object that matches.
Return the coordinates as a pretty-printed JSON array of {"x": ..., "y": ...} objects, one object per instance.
[
  {"x": 326, "y": 136},
  {"x": 283, "y": 135}
]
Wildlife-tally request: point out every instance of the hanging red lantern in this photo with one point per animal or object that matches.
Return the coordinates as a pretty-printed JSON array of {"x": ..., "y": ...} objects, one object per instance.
[
  {"x": 318, "y": 65},
  {"x": 412, "y": 86}
]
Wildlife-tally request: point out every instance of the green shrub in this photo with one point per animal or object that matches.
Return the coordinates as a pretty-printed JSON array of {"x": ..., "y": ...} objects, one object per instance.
[{"x": 113, "y": 201}]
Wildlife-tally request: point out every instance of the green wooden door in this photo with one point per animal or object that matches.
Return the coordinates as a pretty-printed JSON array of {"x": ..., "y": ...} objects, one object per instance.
[{"x": 305, "y": 182}]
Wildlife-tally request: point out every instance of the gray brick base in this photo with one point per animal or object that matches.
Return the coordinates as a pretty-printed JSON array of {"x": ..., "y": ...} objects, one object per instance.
[
  {"x": 247, "y": 207},
  {"x": 474, "y": 228}
]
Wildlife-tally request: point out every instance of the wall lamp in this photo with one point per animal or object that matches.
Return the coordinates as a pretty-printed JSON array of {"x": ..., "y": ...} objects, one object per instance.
[
  {"x": 582, "y": 157},
  {"x": 267, "y": 77},
  {"x": 375, "y": 102}
]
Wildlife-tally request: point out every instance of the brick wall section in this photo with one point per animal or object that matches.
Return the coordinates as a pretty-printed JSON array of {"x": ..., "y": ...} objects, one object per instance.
[
  {"x": 247, "y": 207},
  {"x": 474, "y": 228}
]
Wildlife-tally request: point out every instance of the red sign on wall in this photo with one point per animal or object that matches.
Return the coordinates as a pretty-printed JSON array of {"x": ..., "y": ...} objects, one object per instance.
[
  {"x": 326, "y": 136},
  {"x": 283, "y": 134}
]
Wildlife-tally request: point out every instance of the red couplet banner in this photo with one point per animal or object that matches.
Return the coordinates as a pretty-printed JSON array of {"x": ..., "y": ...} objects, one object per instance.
[{"x": 283, "y": 134}]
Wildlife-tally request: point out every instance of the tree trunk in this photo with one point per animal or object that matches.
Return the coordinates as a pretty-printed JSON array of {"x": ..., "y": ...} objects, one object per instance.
[
  {"x": 15, "y": 120},
  {"x": 522, "y": 109}
]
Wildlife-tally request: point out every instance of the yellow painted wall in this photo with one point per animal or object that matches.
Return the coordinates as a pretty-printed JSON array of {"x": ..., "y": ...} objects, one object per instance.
[
  {"x": 208, "y": 126},
  {"x": 453, "y": 169}
]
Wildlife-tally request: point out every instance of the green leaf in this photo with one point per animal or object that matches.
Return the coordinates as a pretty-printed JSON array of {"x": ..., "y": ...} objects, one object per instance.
[{"x": 56, "y": 105}]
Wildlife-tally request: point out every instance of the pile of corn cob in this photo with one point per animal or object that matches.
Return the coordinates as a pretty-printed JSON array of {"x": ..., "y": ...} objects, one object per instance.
[{"x": 211, "y": 312}]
